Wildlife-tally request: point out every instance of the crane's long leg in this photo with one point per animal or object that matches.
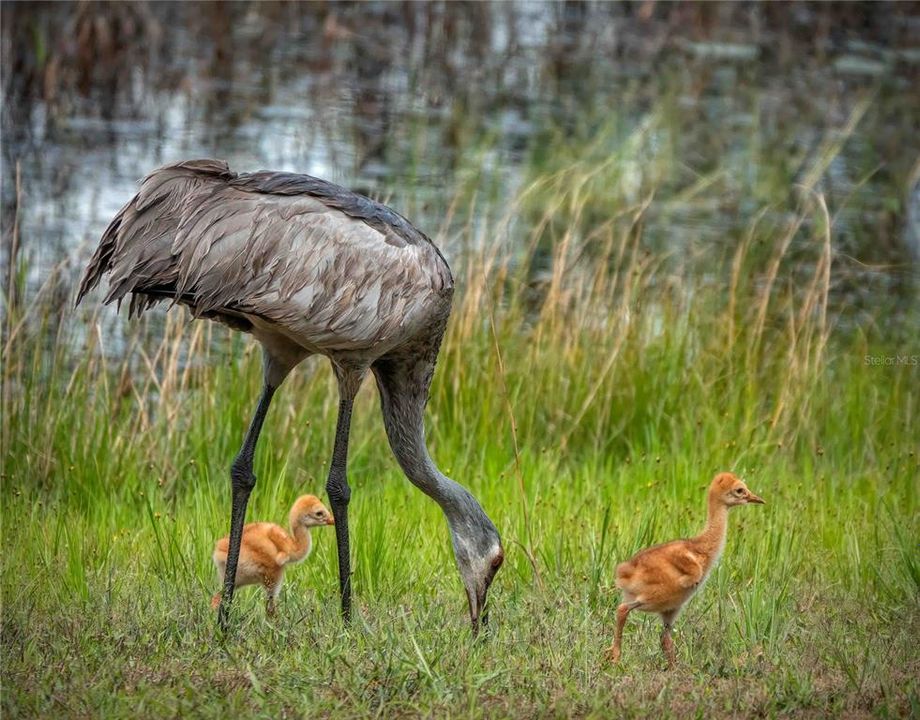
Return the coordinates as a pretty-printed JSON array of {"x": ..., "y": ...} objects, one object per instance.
[
  {"x": 243, "y": 481},
  {"x": 337, "y": 483}
]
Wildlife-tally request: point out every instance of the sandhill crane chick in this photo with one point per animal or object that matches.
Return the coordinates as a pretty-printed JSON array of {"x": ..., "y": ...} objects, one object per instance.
[
  {"x": 267, "y": 549},
  {"x": 661, "y": 579}
]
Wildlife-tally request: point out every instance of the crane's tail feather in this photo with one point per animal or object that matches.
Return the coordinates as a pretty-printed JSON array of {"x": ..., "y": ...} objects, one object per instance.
[
  {"x": 101, "y": 260},
  {"x": 135, "y": 247}
]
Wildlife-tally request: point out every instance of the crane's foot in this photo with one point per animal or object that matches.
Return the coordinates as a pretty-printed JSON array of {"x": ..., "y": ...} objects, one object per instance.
[
  {"x": 223, "y": 615},
  {"x": 613, "y": 654}
]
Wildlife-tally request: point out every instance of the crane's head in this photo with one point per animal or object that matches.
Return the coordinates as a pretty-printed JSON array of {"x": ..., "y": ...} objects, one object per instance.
[{"x": 479, "y": 554}]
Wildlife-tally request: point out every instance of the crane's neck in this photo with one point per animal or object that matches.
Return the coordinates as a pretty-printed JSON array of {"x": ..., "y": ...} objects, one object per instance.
[
  {"x": 712, "y": 540},
  {"x": 303, "y": 542},
  {"x": 403, "y": 382},
  {"x": 403, "y": 394}
]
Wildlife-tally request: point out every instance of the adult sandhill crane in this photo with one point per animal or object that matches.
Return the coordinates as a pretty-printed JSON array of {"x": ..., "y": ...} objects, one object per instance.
[{"x": 306, "y": 267}]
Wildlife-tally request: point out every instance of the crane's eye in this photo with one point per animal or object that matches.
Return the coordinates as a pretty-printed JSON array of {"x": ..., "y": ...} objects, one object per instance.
[
  {"x": 320, "y": 513},
  {"x": 739, "y": 491}
]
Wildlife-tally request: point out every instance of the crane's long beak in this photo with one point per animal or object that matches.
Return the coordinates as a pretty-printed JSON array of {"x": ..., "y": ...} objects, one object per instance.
[
  {"x": 476, "y": 596},
  {"x": 479, "y": 612},
  {"x": 475, "y": 600},
  {"x": 752, "y": 498}
]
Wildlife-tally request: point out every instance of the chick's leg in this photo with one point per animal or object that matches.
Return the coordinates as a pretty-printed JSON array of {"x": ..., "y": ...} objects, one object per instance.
[
  {"x": 272, "y": 590},
  {"x": 613, "y": 652},
  {"x": 667, "y": 644}
]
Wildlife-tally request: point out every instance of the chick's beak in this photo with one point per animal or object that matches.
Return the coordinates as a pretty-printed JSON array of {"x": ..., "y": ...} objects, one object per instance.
[
  {"x": 330, "y": 520},
  {"x": 752, "y": 498}
]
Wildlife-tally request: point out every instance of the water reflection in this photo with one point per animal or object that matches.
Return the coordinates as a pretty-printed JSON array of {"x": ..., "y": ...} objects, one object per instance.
[{"x": 403, "y": 100}]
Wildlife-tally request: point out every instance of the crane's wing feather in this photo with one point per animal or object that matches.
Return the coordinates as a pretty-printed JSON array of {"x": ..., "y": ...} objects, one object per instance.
[{"x": 332, "y": 265}]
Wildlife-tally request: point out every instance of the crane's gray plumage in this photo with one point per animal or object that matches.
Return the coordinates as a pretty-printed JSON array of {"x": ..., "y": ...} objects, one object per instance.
[
  {"x": 336, "y": 269},
  {"x": 306, "y": 267}
]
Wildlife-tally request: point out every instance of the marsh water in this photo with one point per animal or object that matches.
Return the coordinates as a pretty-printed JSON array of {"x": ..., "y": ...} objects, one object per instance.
[{"x": 445, "y": 110}]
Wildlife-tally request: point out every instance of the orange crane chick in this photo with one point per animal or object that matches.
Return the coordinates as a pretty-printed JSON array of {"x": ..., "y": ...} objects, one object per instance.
[
  {"x": 267, "y": 549},
  {"x": 661, "y": 579}
]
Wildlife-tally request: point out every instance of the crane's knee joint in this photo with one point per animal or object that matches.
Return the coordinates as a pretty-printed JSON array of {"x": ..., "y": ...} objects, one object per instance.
[
  {"x": 241, "y": 476},
  {"x": 338, "y": 490}
]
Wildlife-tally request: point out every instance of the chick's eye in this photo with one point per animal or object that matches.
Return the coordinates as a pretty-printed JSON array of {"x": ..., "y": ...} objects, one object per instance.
[{"x": 738, "y": 491}]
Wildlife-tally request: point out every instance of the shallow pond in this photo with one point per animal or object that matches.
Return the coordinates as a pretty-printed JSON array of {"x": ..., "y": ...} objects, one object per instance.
[{"x": 445, "y": 110}]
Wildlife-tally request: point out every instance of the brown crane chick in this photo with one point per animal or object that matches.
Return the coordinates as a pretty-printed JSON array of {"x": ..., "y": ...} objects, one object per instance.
[
  {"x": 661, "y": 579},
  {"x": 267, "y": 549}
]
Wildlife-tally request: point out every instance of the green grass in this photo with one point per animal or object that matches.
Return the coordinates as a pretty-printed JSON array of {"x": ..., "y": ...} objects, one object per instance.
[{"x": 587, "y": 407}]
